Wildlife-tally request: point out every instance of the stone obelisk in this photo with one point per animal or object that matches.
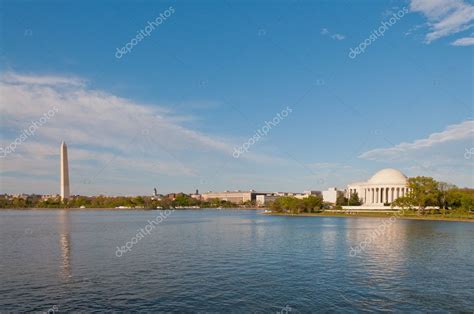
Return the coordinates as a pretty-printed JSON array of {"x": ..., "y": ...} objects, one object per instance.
[{"x": 64, "y": 172}]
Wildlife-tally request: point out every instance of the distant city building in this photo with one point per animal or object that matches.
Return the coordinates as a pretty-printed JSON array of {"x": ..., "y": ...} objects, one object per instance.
[
  {"x": 313, "y": 192},
  {"x": 196, "y": 195},
  {"x": 156, "y": 195},
  {"x": 47, "y": 197},
  {"x": 300, "y": 195},
  {"x": 172, "y": 196},
  {"x": 383, "y": 187},
  {"x": 331, "y": 194},
  {"x": 263, "y": 200},
  {"x": 232, "y": 196},
  {"x": 64, "y": 172}
]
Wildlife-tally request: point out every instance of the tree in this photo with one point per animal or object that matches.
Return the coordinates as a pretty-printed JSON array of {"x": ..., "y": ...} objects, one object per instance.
[
  {"x": 312, "y": 203},
  {"x": 354, "y": 200},
  {"x": 423, "y": 192},
  {"x": 444, "y": 191},
  {"x": 341, "y": 200},
  {"x": 403, "y": 202},
  {"x": 467, "y": 201},
  {"x": 294, "y": 205}
]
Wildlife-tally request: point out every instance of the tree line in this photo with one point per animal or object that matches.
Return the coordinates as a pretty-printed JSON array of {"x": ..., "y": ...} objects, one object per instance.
[
  {"x": 181, "y": 200},
  {"x": 427, "y": 195},
  {"x": 293, "y": 205}
]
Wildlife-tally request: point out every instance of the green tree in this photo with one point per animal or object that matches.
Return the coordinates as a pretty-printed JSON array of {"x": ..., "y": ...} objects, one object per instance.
[
  {"x": 424, "y": 191},
  {"x": 354, "y": 200},
  {"x": 294, "y": 205},
  {"x": 341, "y": 200},
  {"x": 467, "y": 201},
  {"x": 312, "y": 203}
]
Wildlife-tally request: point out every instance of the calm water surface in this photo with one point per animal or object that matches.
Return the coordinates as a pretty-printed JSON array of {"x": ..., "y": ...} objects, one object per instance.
[{"x": 231, "y": 261}]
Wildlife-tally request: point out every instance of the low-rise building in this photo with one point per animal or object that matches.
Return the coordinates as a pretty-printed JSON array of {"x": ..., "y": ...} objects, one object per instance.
[
  {"x": 237, "y": 197},
  {"x": 313, "y": 192},
  {"x": 264, "y": 200},
  {"x": 331, "y": 194},
  {"x": 196, "y": 195}
]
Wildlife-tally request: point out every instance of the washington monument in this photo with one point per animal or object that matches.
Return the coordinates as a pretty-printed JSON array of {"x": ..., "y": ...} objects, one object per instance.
[{"x": 64, "y": 172}]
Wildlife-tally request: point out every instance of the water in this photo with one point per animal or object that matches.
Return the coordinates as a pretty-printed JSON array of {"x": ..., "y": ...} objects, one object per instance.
[{"x": 231, "y": 260}]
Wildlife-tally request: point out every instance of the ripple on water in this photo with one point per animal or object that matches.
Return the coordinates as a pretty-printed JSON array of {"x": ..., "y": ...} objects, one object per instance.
[{"x": 219, "y": 261}]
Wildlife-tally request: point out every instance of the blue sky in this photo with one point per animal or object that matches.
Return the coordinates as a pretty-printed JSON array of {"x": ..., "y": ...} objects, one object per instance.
[{"x": 170, "y": 112}]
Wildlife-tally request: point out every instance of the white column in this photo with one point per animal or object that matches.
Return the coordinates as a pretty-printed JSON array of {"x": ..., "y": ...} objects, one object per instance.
[{"x": 64, "y": 172}]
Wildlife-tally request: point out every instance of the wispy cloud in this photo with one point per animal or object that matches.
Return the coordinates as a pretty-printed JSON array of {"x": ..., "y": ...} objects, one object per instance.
[
  {"x": 335, "y": 36},
  {"x": 445, "y": 17},
  {"x": 466, "y": 41},
  {"x": 453, "y": 133},
  {"x": 338, "y": 37},
  {"x": 15, "y": 78},
  {"x": 109, "y": 136}
]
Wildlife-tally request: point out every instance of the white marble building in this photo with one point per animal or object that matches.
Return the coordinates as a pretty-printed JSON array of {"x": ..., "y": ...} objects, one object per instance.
[
  {"x": 331, "y": 194},
  {"x": 383, "y": 187}
]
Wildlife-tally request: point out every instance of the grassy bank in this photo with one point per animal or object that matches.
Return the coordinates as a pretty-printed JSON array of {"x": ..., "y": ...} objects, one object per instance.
[{"x": 466, "y": 218}]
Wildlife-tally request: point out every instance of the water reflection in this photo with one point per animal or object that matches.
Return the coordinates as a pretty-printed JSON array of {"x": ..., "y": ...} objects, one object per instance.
[
  {"x": 213, "y": 261},
  {"x": 383, "y": 244},
  {"x": 65, "y": 245}
]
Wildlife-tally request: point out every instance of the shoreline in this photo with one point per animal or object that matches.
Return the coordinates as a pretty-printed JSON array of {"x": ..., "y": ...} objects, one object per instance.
[
  {"x": 125, "y": 209},
  {"x": 323, "y": 214},
  {"x": 372, "y": 215}
]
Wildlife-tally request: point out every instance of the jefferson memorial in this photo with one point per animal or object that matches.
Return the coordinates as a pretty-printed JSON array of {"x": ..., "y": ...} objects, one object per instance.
[{"x": 383, "y": 187}]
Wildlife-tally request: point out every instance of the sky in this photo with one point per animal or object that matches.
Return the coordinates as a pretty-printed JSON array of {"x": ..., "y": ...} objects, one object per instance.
[{"x": 224, "y": 95}]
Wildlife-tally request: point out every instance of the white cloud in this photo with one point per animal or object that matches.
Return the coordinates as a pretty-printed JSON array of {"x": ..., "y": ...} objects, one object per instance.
[
  {"x": 453, "y": 133},
  {"x": 445, "y": 17},
  {"x": 130, "y": 140},
  {"x": 334, "y": 36},
  {"x": 390, "y": 12},
  {"x": 338, "y": 37},
  {"x": 466, "y": 41},
  {"x": 441, "y": 155},
  {"x": 15, "y": 78}
]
